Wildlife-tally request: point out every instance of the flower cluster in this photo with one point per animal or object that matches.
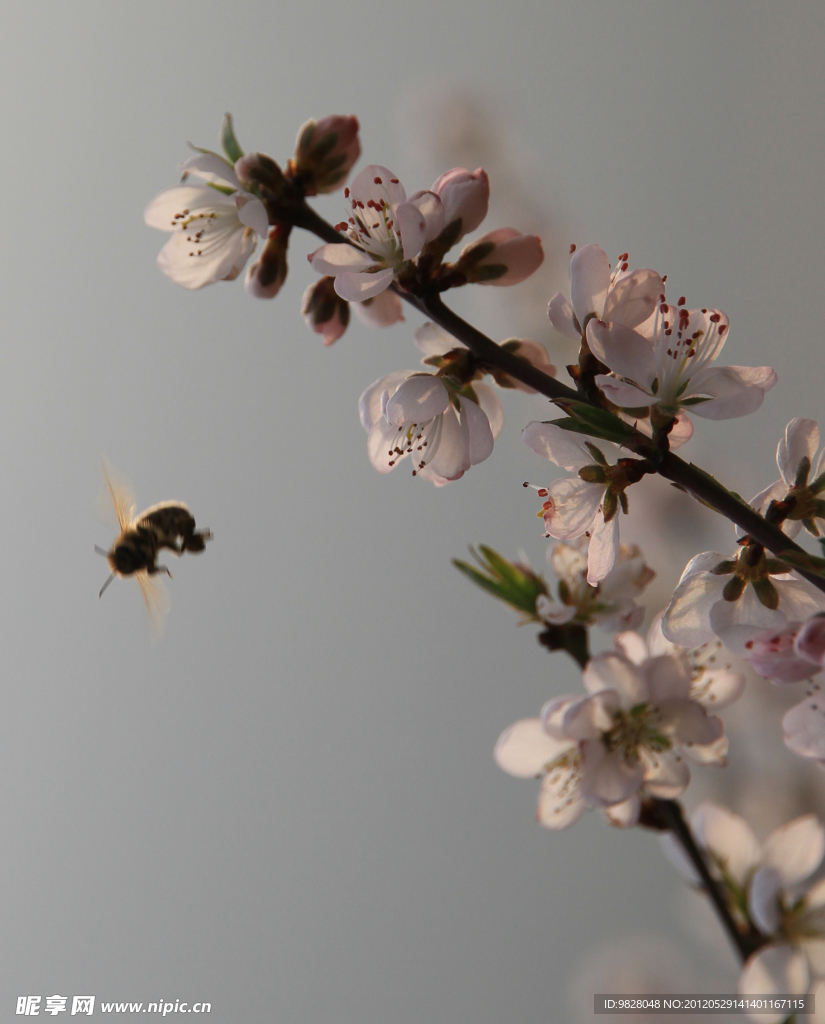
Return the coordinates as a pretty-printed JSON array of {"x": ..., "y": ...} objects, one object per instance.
[
  {"x": 768, "y": 891},
  {"x": 629, "y": 739}
]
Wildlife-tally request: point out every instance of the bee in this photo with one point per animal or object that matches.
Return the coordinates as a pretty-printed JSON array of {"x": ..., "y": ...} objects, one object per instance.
[{"x": 135, "y": 550}]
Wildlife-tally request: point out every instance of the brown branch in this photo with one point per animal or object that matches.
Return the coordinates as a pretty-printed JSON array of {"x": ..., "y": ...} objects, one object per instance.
[{"x": 702, "y": 485}]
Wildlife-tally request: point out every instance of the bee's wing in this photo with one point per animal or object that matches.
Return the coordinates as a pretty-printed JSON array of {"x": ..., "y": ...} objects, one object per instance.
[
  {"x": 156, "y": 597},
  {"x": 117, "y": 492}
]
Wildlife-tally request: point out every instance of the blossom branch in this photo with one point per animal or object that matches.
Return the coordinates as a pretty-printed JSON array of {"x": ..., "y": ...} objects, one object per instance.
[
  {"x": 683, "y": 474},
  {"x": 667, "y": 815}
]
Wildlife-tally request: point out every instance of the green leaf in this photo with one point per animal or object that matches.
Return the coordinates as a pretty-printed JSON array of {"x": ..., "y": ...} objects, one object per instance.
[
  {"x": 228, "y": 141},
  {"x": 516, "y": 585},
  {"x": 599, "y": 422}
]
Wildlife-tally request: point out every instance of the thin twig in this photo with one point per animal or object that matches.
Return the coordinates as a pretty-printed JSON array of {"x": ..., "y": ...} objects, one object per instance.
[{"x": 686, "y": 475}]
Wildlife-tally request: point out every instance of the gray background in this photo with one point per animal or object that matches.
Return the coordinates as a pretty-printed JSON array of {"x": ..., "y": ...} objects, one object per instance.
[{"x": 288, "y": 806}]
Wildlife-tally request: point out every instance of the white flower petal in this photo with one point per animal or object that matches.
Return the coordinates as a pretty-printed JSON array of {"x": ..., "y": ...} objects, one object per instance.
[
  {"x": 561, "y": 316},
  {"x": 433, "y": 340},
  {"x": 170, "y": 206},
  {"x": 430, "y": 206},
  {"x": 525, "y": 749},
  {"x": 633, "y": 297},
  {"x": 589, "y": 281},
  {"x": 735, "y": 390},
  {"x": 801, "y": 440},
  {"x": 553, "y": 612},
  {"x": 614, "y": 673},
  {"x": 452, "y": 460},
  {"x": 625, "y": 351},
  {"x": 608, "y": 778},
  {"x": 795, "y": 849},
  {"x": 689, "y": 724},
  {"x": 803, "y": 728},
  {"x": 381, "y": 310},
  {"x": 774, "y": 970},
  {"x": 357, "y": 287},
  {"x": 668, "y": 677},
  {"x": 560, "y": 800},
  {"x": 686, "y": 620},
  {"x": 480, "y": 435},
  {"x": 728, "y": 838},
  {"x": 625, "y": 814},
  {"x": 252, "y": 213},
  {"x": 370, "y": 406},
  {"x": 588, "y": 717},
  {"x": 411, "y": 225},
  {"x": 619, "y": 392},
  {"x": 575, "y": 505},
  {"x": 708, "y": 753},
  {"x": 222, "y": 254},
  {"x": 336, "y": 258},
  {"x": 382, "y": 439},
  {"x": 491, "y": 406},
  {"x": 719, "y": 688},
  {"x": 667, "y": 773},
  {"x": 557, "y": 445},
  {"x": 631, "y": 645},
  {"x": 212, "y": 168},
  {"x": 763, "y": 899},
  {"x": 418, "y": 399},
  {"x": 364, "y": 186},
  {"x": 603, "y": 549}
]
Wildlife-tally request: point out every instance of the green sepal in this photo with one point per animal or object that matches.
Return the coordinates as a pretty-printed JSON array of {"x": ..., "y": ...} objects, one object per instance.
[
  {"x": 775, "y": 566},
  {"x": 734, "y": 588},
  {"x": 228, "y": 141},
  {"x": 724, "y": 568},
  {"x": 592, "y": 474},
  {"x": 802, "y": 472},
  {"x": 610, "y": 504},
  {"x": 766, "y": 592}
]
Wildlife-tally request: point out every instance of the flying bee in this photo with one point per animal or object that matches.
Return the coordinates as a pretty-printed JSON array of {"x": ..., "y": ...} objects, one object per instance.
[{"x": 135, "y": 550}]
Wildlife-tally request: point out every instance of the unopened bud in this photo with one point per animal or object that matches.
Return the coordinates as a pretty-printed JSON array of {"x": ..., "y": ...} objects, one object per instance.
[
  {"x": 260, "y": 170},
  {"x": 324, "y": 153},
  {"x": 381, "y": 310},
  {"x": 324, "y": 311},
  {"x": 266, "y": 276},
  {"x": 464, "y": 196},
  {"x": 502, "y": 257}
]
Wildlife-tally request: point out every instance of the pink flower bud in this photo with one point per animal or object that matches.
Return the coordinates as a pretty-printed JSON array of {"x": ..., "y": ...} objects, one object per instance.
[
  {"x": 501, "y": 257},
  {"x": 324, "y": 311},
  {"x": 266, "y": 276},
  {"x": 774, "y": 653},
  {"x": 324, "y": 153},
  {"x": 383, "y": 310},
  {"x": 464, "y": 196}
]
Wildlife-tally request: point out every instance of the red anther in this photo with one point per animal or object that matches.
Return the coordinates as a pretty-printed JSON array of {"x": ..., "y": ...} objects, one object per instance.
[
  {"x": 681, "y": 301},
  {"x": 378, "y": 181},
  {"x": 395, "y": 181},
  {"x": 525, "y": 484},
  {"x": 692, "y": 353},
  {"x": 749, "y": 644},
  {"x": 342, "y": 226},
  {"x": 624, "y": 266},
  {"x": 623, "y": 257},
  {"x": 704, "y": 311},
  {"x": 722, "y": 329},
  {"x": 346, "y": 193},
  {"x": 572, "y": 248},
  {"x": 715, "y": 318},
  {"x": 661, "y": 298},
  {"x": 664, "y": 278},
  {"x": 663, "y": 307},
  {"x": 543, "y": 492}
]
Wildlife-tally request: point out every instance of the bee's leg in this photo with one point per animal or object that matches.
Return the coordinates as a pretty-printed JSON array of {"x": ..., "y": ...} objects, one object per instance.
[{"x": 152, "y": 570}]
